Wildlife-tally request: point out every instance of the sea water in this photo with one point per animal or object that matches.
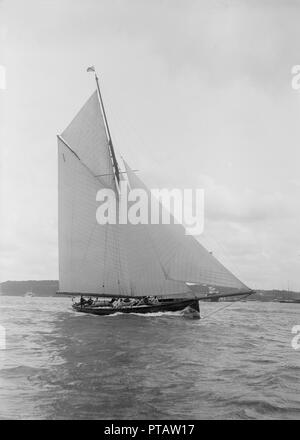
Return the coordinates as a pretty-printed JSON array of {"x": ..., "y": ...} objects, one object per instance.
[{"x": 242, "y": 362}]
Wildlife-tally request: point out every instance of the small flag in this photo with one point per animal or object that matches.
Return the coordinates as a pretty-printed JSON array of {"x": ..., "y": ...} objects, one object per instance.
[{"x": 91, "y": 69}]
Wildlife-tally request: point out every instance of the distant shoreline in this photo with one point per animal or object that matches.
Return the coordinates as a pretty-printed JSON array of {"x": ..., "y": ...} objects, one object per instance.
[
  {"x": 37, "y": 287},
  {"x": 50, "y": 287}
]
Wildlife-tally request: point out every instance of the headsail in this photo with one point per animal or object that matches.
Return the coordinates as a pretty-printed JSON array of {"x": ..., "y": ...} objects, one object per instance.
[
  {"x": 147, "y": 276},
  {"x": 183, "y": 257}
]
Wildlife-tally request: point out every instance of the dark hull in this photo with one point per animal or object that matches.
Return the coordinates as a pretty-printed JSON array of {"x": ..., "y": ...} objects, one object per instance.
[{"x": 167, "y": 306}]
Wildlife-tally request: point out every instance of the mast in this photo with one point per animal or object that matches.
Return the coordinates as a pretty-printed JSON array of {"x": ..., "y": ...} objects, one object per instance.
[{"x": 109, "y": 139}]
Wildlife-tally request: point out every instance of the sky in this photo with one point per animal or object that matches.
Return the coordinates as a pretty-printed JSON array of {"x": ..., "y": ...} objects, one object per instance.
[{"x": 198, "y": 95}]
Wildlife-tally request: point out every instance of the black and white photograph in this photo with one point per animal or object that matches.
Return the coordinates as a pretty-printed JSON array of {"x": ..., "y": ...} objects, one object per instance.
[{"x": 149, "y": 213}]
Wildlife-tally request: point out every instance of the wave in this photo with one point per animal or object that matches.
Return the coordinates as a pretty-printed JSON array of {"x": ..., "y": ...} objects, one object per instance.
[{"x": 237, "y": 365}]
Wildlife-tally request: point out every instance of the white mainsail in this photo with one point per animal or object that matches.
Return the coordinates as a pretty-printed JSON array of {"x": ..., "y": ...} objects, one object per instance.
[
  {"x": 89, "y": 254},
  {"x": 119, "y": 259},
  {"x": 87, "y": 137}
]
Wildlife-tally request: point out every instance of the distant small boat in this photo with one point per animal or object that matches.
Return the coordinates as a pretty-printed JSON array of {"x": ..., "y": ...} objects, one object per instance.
[{"x": 29, "y": 294}]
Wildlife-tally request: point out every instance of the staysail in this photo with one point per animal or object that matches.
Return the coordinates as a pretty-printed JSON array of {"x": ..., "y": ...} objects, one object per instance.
[{"x": 183, "y": 257}]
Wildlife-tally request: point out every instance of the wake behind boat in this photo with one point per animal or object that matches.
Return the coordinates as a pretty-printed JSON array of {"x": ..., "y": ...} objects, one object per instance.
[{"x": 134, "y": 261}]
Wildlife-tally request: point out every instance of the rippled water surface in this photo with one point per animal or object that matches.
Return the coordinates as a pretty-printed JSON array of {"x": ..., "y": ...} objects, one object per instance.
[{"x": 238, "y": 363}]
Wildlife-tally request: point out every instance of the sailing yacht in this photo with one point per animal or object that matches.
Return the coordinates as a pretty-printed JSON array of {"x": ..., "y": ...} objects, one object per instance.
[{"x": 130, "y": 261}]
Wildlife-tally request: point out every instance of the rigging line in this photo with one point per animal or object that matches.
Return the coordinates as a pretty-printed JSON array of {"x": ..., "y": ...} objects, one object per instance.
[
  {"x": 128, "y": 127},
  {"x": 225, "y": 307},
  {"x": 172, "y": 252},
  {"x": 116, "y": 238},
  {"x": 105, "y": 255},
  {"x": 211, "y": 276},
  {"x": 87, "y": 248},
  {"x": 144, "y": 227},
  {"x": 121, "y": 268},
  {"x": 120, "y": 274},
  {"x": 72, "y": 224},
  {"x": 97, "y": 177},
  {"x": 121, "y": 130},
  {"x": 158, "y": 259},
  {"x": 111, "y": 174},
  {"x": 109, "y": 138},
  {"x": 223, "y": 254},
  {"x": 155, "y": 251},
  {"x": 219, "y": 273}
]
